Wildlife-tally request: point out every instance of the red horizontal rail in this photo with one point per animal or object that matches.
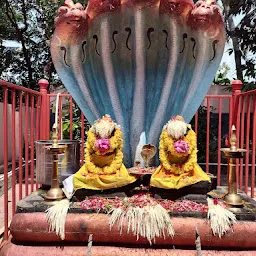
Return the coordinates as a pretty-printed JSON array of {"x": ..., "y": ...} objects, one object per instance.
[
  {"x": 17, "y": 87},
  {"x": 207, "y": 96},
  {"x": 252, "y": 92},
  {"x": 218, "y": 96}
]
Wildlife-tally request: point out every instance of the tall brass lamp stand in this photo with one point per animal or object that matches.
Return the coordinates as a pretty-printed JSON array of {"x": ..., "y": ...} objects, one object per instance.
[
  {"x": 232, "y": 199},
  {"x": 55, "y": 193}
]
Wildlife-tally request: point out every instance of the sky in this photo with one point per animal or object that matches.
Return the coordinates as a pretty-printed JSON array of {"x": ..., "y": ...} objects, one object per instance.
[{"x": 230, "y": 61}]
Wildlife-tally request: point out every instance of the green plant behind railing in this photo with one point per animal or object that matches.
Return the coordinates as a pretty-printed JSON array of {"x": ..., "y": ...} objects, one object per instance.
[{"x": 76, "y": 123}]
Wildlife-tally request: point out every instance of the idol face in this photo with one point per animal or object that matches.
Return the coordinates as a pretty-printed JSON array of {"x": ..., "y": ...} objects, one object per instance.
[
  {"x": 205, "y": 15},
  {"x": 74, "y": 16}
]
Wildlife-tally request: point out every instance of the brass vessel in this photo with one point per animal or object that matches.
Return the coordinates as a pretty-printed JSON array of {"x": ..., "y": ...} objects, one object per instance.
[
  {"x": 55, "y": 193},
  {"x": 232, "y": 199}
]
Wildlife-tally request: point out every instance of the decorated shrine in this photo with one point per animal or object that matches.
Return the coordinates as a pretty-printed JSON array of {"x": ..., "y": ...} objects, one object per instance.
[{"x": 138, "y": 70}]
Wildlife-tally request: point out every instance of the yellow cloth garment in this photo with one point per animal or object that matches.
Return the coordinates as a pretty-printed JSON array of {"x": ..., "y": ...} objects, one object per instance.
[
  {"x": 102, "y": 172},
  {"x": 100, "y": 182},
  {"x": 177, "y": 170}
]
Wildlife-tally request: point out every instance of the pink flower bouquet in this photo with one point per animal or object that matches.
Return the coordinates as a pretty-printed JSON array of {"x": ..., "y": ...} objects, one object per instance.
[
  {"x": 103, "y": 145},
  {"x": 181, "y": 146}
]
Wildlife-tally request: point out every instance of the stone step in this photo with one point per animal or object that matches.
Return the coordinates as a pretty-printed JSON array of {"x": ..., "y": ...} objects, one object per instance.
[{"x": 16, "y": 250}]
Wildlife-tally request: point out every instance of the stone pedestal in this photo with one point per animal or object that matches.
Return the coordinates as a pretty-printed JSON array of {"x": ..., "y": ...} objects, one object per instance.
[{"x": 29, "y": 230}]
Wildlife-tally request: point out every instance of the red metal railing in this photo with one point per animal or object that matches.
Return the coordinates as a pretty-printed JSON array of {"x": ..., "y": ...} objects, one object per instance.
[
  {"x": 32, "y": 111},
  {"x": 65, "y": 106},
  {"x": 246, "y": 129},
  {"x": 19, "y": 107}
]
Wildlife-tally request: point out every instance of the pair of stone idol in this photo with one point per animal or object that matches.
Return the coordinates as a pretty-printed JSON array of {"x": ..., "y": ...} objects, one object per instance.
[{"x": 104, "y": 168}]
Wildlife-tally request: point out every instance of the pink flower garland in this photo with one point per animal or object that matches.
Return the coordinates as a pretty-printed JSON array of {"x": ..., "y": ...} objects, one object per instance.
[{"x": 141, "y": 200}]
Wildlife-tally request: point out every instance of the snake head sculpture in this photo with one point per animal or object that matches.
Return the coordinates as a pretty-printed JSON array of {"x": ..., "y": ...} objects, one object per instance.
[
  {"x": 97, "y": 7},
  {"x": 140, "y": 3},
  {"x": 141, "y": 61},
  {"x": 206, "y": 16},
  {"x": 176, "y": 7},
  {"x": 70, "y": 20}
]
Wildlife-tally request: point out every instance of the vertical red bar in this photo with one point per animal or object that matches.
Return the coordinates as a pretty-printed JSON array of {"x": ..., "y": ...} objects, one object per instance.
[
  {"x": 38, "y": 104},
  {"x": 196, "y": 122},
  {"x": 71, "y": 118},
  {"x": 242, "y": 143},
  {"x": 44, "y": 127},
  {"x": 230, "y": 116},
  {"x": 253, "y": 146},
  {"x": 26, "y": 143},
  {"x": 238, "y": 118},
  {"x": 236, "y": 90},
  {"x": 207, "y": 135},
  {"x": 247, "y": 141},
  {"x": 60, "y": 118},
  {"x": 231, "y": 104},
  {"x": 13, "y": 152},
  {"x": 5, "y": 164},
  {"x": 82, "y": 137},
  {"x": 32, "y": 123},
  {"x": 219, "y": 142},
  {"x": 20, "y": 145},
  {"x": 47, "y": 110}
]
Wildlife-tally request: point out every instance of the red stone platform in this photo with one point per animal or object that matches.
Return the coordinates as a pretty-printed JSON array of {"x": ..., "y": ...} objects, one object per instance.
[
  {"x": 33, "y": 227},
  {"x": 31, "y": 235}
]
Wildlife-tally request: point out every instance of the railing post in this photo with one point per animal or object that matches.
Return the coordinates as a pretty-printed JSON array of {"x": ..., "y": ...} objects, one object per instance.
[
  {"x": 44, "y": 85},
  {"x": 236, "y": 90}
]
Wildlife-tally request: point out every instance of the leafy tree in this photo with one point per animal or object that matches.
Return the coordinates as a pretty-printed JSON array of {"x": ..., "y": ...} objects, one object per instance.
[
  {"x": 243, "y": 38},
  {"x": 31, "y": 23},
  {"x": 221, "y": 75}
]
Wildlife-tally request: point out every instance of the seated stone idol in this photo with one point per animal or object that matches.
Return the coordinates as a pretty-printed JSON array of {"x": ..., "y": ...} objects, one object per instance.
[
  {"x": 178, "y": 157},
  {"x": 103, "y": 167}
]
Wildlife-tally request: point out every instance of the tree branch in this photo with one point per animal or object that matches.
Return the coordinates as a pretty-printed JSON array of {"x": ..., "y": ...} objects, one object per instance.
[
  {"x": 24, "y": 13},
  {"x": 12, "y": 16}
]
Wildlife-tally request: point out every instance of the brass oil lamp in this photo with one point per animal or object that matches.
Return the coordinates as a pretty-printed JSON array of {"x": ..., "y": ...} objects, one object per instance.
[
  {"x": 55, "y": 193},
  {"x": 232, "y": 199}
]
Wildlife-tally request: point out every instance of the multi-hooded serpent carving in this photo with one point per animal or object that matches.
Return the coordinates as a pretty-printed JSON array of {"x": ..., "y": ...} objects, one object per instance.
[
  {"x": 149, "y": 31},
  {"x": 141, "y": 61}
]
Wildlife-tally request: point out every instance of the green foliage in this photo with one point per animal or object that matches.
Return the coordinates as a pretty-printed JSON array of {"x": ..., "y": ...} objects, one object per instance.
[
  {"x": 30, "y": 23},
  {"x": 76, "y": 124},
  {"x": 243, "y": 37},
  {"x": 221, "y": 75}
]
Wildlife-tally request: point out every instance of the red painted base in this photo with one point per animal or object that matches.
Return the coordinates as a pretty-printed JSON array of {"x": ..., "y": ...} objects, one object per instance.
[
  {"x": 11, "y": 249},
  {"x": 32, "y": 227}
]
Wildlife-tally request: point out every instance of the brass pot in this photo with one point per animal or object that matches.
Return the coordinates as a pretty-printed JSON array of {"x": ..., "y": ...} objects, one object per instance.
[{"x": 68, "y": 162}]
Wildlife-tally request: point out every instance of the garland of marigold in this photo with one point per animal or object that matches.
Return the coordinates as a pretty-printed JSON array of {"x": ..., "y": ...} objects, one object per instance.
[
  {"x": 116, "y": 143},
  {"x": 166, "y": 146}
]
